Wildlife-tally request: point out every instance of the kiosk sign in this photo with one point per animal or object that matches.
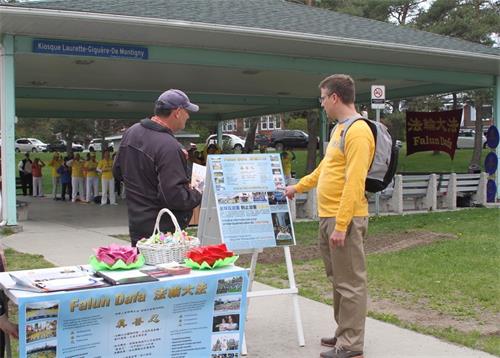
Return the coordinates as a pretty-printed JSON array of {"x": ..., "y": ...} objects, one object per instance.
[{"x": 378, "y": 97}]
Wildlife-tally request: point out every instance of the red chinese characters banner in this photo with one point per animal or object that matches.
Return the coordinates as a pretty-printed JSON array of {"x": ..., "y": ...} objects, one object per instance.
[{"x": 430, "y": 131}]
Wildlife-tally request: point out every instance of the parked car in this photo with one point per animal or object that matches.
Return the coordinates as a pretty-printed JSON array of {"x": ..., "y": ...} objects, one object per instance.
[
  {"x": 466, "y": 139},
  {"x": 293, "y": 138},
  {"x": 61, "y": 146},
  {"x": 30, "y": 145},
  {"x": 96, "y": 145},
  {"x": 229, "y": 141},
  {"x": 260, "y": 140}
]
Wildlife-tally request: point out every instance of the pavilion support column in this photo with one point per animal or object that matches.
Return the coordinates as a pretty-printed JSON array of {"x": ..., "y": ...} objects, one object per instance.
[
  {"x": 219, "y": 134},
  {"x": 7, "y": 116},
  {"x": 496, "y": 116}
]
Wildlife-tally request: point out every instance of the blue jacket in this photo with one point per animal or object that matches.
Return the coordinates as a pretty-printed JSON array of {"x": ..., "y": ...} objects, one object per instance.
[{"x": 65, "y": 173}]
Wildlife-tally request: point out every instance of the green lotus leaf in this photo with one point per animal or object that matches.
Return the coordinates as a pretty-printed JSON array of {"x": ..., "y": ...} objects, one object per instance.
[{"x": 118, "y": 265}]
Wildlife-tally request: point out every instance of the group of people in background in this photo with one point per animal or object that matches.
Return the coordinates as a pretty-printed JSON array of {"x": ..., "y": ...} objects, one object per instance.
[{"x": 77, "y": 178}]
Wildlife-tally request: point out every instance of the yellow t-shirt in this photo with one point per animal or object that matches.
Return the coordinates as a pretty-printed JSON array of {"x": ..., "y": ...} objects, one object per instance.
[
  {"x": 54, "y": 165},
  {"x": 90, "y": 168},
  {"x": 340, "y": 177},
  {"x": 106, "y": 168},
  {"x": 77, "y": 168}
]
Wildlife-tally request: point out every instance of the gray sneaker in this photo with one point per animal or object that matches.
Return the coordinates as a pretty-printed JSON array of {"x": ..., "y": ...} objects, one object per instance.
[{"x": 341, "y": 352}]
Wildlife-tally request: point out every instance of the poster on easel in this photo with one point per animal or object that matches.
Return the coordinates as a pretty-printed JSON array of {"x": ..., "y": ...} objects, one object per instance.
[{"x": 244, "y": 202}]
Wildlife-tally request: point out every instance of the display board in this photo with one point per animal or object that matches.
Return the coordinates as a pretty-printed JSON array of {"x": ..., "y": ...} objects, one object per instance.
[
  {"x": 244, "y": 197},
  {"x": 200, "y": 316}
]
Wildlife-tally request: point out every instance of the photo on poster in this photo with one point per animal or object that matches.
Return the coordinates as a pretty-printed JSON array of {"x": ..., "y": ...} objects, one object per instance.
[
  {"x": 41, "y": 330},
  {"x": 42, "y": 310},
  {"x": 259, "y": 197},
  {"x": 282, "y": 228},
  {"x": 276, "y": 198},
  {"x": 218, "y": 174},
  {"x": 228, "y": 199},
  {"x": 230, "y": 322},
  {"x": 230, "y": 285},
  {"x": 220, "y": 188},
  {"x": 245, "y": 197},
  {"x": 225, "y": 342},
  {"x": 219, "y": 180},
  {"x": 275, "y": 158},
  {"x": 46, "y": 349},
  {"x": 225, "y": 355},
  {"x": 276, "y": 171},
  {"x": 227, "y": 303},
  {"x": 216, "y": 165}
]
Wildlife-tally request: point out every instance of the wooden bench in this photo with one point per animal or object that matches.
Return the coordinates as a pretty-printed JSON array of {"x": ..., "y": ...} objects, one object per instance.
[
  {"x": 468, "y": 188},
  {"x": 429, "y": 192}
]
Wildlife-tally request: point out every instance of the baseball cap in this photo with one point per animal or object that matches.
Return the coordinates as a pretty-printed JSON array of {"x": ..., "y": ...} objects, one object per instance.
[{"x": 174, "y": 98}]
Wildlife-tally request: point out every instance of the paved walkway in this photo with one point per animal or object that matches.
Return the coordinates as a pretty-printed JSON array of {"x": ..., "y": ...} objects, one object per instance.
[{"x": 65, "y": 234}]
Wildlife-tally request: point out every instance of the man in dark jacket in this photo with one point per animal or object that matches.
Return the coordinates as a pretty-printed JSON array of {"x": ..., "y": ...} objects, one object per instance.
[{"x": 153, "y": 166}]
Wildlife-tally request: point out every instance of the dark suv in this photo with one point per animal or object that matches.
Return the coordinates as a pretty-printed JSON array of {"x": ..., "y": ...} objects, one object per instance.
[{"x": 293, "y": 138}]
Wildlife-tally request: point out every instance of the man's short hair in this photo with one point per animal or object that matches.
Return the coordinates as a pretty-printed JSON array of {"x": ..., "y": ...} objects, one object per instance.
[
  {"x": 162, "y": 112},
  {"x": 342, "y": 86}
]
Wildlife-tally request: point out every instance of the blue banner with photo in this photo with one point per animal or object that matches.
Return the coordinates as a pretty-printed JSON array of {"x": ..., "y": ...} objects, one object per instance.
[
  {"x": 251, "y": 203},
  {"x": 192, "y": 316}
]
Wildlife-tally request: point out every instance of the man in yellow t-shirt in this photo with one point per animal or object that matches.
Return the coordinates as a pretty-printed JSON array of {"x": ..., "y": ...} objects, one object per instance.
[
  {"x": 343, "y": 211},
  {"x": 92, "y": 180},
  {"x": 54, "y": 164},
  {"x": 105, "y": 168}
]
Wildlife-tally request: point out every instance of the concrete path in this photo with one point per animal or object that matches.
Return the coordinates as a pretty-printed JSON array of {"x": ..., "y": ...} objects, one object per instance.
[{"x": 65, "y": 233}]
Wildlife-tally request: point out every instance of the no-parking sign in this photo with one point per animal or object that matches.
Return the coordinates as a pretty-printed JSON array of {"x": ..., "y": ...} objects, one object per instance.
[{"x": 378, "y": 97}]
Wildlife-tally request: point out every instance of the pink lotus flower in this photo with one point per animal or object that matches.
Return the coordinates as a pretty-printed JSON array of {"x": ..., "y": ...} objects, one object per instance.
[{"x": 112, "y": 253}]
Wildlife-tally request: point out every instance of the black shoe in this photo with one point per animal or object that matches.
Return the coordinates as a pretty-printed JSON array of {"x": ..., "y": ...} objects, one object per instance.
[
  {"x": 329, "y": 341},
  {"x": 341, "y": 352}
]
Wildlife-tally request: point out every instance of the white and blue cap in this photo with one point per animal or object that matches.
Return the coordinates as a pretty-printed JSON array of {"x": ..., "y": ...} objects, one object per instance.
[{"x": 174, "y": 98}]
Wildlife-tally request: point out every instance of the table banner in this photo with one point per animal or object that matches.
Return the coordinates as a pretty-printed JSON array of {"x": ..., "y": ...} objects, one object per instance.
[{"x": 200, "y": 316}]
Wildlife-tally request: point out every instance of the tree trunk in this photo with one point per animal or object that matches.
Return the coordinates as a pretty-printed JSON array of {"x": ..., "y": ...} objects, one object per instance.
[
  {"x": 250, "y": 138},
  {"x": 312, "y": 130},
  {"x": 475, "y": 163}
]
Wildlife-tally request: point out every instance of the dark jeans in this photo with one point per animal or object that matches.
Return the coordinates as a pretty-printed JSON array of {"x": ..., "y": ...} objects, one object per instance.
[
  {"x": 27, "y": 183},
  {"x": 66, "y": 188}
]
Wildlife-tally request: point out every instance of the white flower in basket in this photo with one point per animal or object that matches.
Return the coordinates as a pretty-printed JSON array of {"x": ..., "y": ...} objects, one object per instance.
[{"x": 162, "y": 248}]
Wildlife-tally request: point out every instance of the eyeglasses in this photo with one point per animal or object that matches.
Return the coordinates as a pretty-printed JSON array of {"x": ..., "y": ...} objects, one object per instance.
[{"x": 321, "y": 99}]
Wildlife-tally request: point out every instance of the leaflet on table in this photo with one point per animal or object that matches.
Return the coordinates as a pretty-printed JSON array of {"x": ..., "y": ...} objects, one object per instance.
[
  {"x": 55, "y": 279},
  {"x": 200, "y": 316},
  {"x": 251, "y": 204}
]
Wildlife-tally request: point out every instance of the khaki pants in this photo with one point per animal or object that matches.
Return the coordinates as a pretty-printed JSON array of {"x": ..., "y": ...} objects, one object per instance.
[{"x": 346, "y": 268}]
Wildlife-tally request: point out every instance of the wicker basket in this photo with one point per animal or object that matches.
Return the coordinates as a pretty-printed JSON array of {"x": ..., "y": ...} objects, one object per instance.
[{"x": 165, "y": 253}]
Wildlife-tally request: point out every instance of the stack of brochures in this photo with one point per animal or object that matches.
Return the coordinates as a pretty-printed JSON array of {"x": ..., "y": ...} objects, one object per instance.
[{"x": 55, "y": 279}]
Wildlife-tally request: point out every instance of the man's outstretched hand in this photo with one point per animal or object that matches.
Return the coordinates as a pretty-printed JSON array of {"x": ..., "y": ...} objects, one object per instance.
[{"x": 290, "y": 191}]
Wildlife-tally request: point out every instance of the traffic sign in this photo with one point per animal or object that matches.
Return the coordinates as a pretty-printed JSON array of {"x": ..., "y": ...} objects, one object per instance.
[{"x": 378, "y": 96}]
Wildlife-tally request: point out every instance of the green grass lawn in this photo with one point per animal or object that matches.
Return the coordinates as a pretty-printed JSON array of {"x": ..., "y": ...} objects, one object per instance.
[{"x": 455, "y": 278}]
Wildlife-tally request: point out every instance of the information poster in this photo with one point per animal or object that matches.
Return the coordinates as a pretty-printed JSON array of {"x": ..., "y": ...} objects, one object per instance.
[
  {"x": 201, "y": 316},
  {"x": 251, "y": 204}
]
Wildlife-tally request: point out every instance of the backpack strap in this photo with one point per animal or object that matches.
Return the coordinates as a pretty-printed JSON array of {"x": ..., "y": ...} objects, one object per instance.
[{"x": 347, "y": 124}]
